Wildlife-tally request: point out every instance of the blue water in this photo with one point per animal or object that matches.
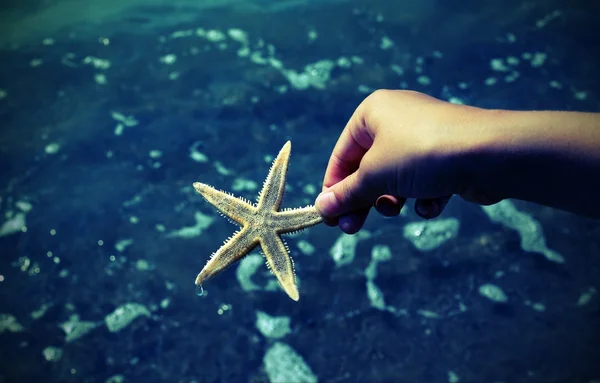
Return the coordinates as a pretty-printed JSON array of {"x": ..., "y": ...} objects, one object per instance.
[{"x": 110, "y": 113}]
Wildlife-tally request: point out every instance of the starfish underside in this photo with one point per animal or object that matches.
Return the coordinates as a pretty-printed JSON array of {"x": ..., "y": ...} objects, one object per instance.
[{"x": 262, "y": 224}]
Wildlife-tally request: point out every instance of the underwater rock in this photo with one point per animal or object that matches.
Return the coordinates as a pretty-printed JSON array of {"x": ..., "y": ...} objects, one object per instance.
[
  {"x": 124, "y": 315},
  {"x": 343, "y": 250},
  {"x": 52, "y": 354},
  {"x": 380, "y": 253},
  {"x": 246, "y": 268},
  {"x": 530, "y": 230},
  {"x": 284, "y": 365},
  {"x": 9, "y": 323},
  {"x": 272, "y": 326},
  {"x": 375, "y": 296},
  {"x": 75, "y": 329},
  {"x": 493, "y": 293},
  {"x": 13, "y": 225},
  {"x": 305, "y": 247},
  {"x": 428, "y": 235},
  {"x": 203, "y": 221}
]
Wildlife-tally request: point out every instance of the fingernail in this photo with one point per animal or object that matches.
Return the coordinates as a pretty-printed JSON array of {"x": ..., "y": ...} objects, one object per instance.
[
  {"x": 347, "y": 224},
  {"x": 429, "y": 209},
  {"x": 327, "y": 204},
  {"x": 386, "y": 207}
]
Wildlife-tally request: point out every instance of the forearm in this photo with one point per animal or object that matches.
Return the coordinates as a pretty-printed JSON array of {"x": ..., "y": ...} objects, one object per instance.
[{"x": 551, "y": 158}]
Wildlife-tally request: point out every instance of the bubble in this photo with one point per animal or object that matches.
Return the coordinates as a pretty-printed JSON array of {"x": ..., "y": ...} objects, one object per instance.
[{"x": 200, "y": 291}]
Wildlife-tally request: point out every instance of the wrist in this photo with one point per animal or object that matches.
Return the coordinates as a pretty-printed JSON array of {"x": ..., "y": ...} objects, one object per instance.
[
  {"x": 489, "y": 157},
  {"x": 541, "y": 156}
]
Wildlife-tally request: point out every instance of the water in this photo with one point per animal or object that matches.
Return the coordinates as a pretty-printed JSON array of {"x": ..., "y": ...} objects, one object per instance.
[{"x": 110, "y": 114}]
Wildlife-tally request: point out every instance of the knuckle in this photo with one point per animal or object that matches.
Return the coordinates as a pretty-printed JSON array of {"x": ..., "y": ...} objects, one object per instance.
[
  {"x": 376, "y": 98},
  {"x": 341, "y": 164},
  {"x": 376, "y": 106},
  {"x": 348, "y": 192},
  {"x": 363, "y": 185}
]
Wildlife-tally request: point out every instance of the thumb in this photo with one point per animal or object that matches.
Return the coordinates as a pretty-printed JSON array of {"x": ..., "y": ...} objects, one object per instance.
[{"x": 350, "y": 194}]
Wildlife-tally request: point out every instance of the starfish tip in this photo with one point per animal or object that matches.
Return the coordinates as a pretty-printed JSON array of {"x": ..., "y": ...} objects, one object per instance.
[
  {"x": 295, "y": 297},
  {"x": 287, "y": 147},
  {"x": 199, "y": 279},
  {"x": 292, "y": 291}
]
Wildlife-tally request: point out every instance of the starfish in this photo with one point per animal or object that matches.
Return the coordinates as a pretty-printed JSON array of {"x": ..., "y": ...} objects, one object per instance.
[{"x": 262, "y": 224}]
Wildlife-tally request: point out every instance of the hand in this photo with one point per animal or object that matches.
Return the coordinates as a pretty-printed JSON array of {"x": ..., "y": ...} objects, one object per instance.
[{"x": 399, "y": 145}]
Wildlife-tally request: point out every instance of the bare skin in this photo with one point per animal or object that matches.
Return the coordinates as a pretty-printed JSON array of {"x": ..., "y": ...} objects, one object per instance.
[{"x": 403, "y": 144}]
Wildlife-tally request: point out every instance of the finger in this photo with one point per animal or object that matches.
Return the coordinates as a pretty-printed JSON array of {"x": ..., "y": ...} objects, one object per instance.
[
  {"x": 389, "y": 205},
  {"x": 353, "y": 143},
  {"x": 351, "y": 194},
  {"x": 351, "y": 223},
  {"x": 429, "y": 208}
]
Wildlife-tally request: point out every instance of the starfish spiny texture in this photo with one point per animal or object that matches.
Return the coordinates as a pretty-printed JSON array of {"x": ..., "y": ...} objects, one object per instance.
[{"x": 262, "y": 224}]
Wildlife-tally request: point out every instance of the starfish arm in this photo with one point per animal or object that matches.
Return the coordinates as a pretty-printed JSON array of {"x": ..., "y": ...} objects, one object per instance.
[
  {"x": 271, "y": 195},
  {"x": 236, "y": 209},
  {"x": 291, "y": 220},
  {"x": 280, "y": 263},
  {"x": 234, "y": 249}
]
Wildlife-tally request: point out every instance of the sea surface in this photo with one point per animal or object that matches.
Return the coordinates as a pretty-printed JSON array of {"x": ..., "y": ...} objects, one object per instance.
[{"x": 110, "y": 110}]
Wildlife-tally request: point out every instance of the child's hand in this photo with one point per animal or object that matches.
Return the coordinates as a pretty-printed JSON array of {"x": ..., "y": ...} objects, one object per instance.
[{"x": 399, "y": 145}]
